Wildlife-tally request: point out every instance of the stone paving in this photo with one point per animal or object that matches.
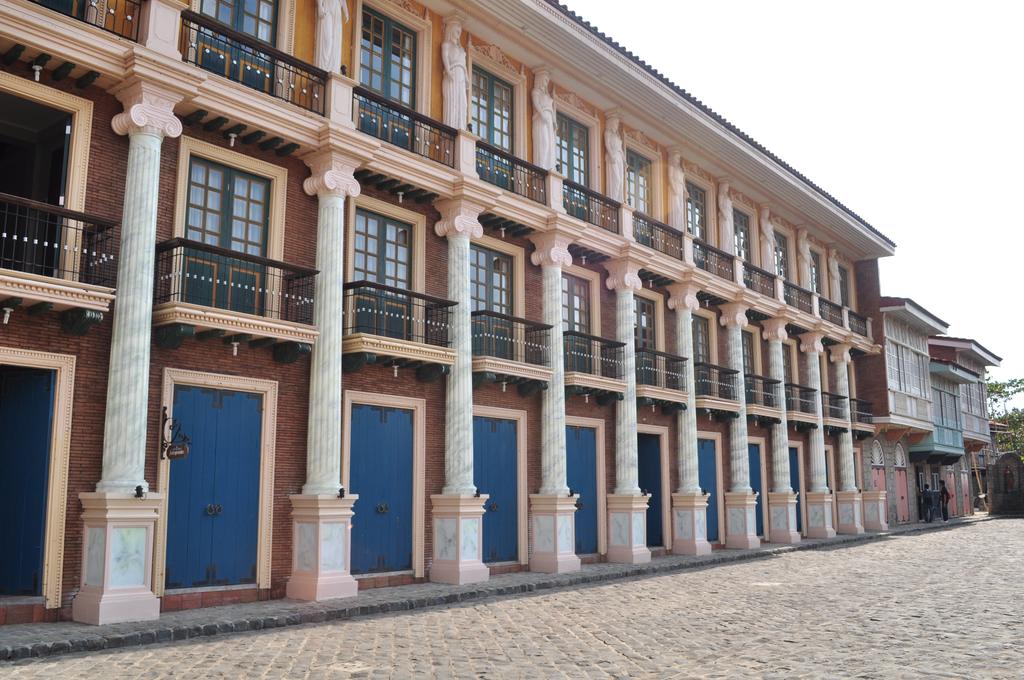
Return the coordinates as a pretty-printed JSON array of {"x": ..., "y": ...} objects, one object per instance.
[{"x": 939, "y": 603}]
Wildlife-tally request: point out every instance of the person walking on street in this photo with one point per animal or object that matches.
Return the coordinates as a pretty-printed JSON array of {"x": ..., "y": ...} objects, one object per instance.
[
  {"x": 926, "y": 504},
  {"x": 944, "y": 500}
]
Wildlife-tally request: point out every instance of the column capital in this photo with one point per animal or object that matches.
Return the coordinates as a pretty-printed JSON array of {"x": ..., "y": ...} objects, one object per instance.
[
  {"x": 623, "y": 274},
  {"x": 332, "y": 174},
  {"x": 683, "y": 296},
  {"x": 147, "y": 107},
  {"x": 458, "y": 216},
  {"x": 774, "y": 329},
  {"x": 552, "y": 249},
  {"x": 733, "y": 314},
  {"x": 811, "y": 343},
  {"x": 840, "y": 353}
]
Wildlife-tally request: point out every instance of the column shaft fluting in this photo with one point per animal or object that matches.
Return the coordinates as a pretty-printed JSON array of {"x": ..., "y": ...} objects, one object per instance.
[
  {"x": 626, "y": 475},
  {"x": 458, "y": 459},
  {"x": 847, "y": 477},
  {"x": 686, "y": 420},
  {"x": 780, "y": 430},
  {"x": 819, "y": 479},
  {"x": 553, "y": 470},
  {"x": 739, "y": 459}
]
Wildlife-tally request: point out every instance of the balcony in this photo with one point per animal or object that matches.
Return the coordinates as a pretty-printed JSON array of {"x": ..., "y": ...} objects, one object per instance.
[
  {"x": 715, "y": 387},
  {"x": 510, "y": 173},
  {"x": 833, "y": 410},
  {"x": 216, "y": 48},
  {"x": 661, "y": 237},
  {"x": 713, "y": 260},
  {"x": 944, "y": 446},
  {"x": 211, "y": 292},
  {"x": 396, "y": 327},
  {"x": 590, "y": 206},
  {"x": 120, "y": 17},
  {"x": 400, "y": 126},
  {"x": 801, "y": 405},
  {"x": 758, "y": 280},
  {"x": 508, "y": 349},
  {"x": 858, "y": 323},
  {"x": 593, "y": 365},
  {"x": 830, "y": 311},
  {"x": 660, "y": 377},
  {"x": 54, "y": 258},
  {"x": 762, "y": 399},
  {"x": 798, "y": 297},
  {"x": 862, "y": 416}
]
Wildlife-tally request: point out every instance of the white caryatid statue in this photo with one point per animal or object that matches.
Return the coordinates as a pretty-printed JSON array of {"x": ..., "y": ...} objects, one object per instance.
[
  {"x": 455, "y": 81},
  {"x": 330, "y": 15},
  {"x": 544, "y": 129},
  {"x": 614, "y": 160},
  {"x": 726, "y": 237},
  {"x": 803, "y": 258},
  {"x": 767, "y": 239},
  {"x": 836, "y": 293},
  {"x": 676, "y": 192}
]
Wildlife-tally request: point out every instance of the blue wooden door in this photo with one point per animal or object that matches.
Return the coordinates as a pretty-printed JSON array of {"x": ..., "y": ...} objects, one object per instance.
[
  {"x": 26, "y": 417},
  {"x": 707, "y": 474},
  {"x": 754, "y": 455},
  {"x": 581, "y": 472},
  {"x": 794, "y": 481},
  {"x": 214, "y": 492},
  {"x": 380, "y": 471},
  {"x": 494, "y": 473},
  {"x": 649, "y": 478}
]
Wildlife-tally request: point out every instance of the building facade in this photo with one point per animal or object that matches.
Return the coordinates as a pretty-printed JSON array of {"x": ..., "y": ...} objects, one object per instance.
[{"x": 306, "y": 298}]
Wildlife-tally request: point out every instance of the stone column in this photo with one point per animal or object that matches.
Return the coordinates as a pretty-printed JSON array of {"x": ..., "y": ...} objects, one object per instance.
[
  {"x": 553, "y": 508},
  {"x": 321, "y": 514},
  {"x": 819, "y": 498},
  {"x": 848, "y": 496},
  {"x": 120, "y": 516},
  {"x": 457, "y": 510},
  {"x": 782, "y": 497},
  {"x": 627, "y": 508},
  {"x": 689, "y": 502},
  {"x": 740, "y": 500}
]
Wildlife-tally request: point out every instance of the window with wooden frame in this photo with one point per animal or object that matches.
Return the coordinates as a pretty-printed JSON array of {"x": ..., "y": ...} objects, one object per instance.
[
  {"x": 387, "y": 58},
  {"x": 787, "y": 364},
  {"x": 574, "y": 150},
  {"x": 741, "y": 234},
  {"x": 491, "y": 107},
  {"x": 644, "y": 328},
  {"x": 815, "y": 266},
  {"x": 638, "y": 182},
  {"x": 382, "y": 250},
  {"x": 748, "y": 353},
  {"x": 490, "y": 280},
  {"x": 781, "y": 256},
  {"x": 257, "y": 18},
  {"x": 575, "y": 304},
  {"x": 701, "y": 339},
  {"x": 844, "y": 286},
  {"x": 696, "y": 210}
]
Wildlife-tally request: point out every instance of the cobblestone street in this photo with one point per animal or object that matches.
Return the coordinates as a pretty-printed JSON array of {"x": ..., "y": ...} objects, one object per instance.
[{"x": 878, "y": 609}]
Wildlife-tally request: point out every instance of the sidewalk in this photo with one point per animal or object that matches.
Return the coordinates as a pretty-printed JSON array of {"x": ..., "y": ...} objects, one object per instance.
[{"x": 46, "y": 639}]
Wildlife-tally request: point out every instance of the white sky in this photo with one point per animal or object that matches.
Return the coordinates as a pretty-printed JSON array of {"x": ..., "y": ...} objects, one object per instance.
[{"x": 909, "y": 112}]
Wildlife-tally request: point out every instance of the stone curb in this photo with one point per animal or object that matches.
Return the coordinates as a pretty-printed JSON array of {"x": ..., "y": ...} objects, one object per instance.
[{"x": 95, "y": 638}]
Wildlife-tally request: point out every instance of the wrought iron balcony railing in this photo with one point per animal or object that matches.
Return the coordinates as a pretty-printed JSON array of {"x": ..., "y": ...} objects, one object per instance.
[
  {"x": 800, "y": 399},
  {"x": 510, "y": 338},
  {"x": 861, "y": 411},
  {"x": 858, "y": 324},
  {"x": 718, "y": 262},
  {"x": 513, "y": 174},
  {"x": 715, "y": 381},
  {"x": 830, "y": 311},
  {"x": 376, "y": 309},
  {"x": 47, "y": 240},
  {"x": 798, "y": 297},
  {"x": 200, "y": 274},
  {"x": 758, "y": 280},
  {"x": 661, "y": 237},
  {"x": 761, "y": 391},
  {"x": 590, "y": 206},
  {"x": 214, "y": 47},
  {"x": 591, "y": 354},
  {"x": 401, "y": 126},
  {"x": 833, "y": 406},
  {"x": 660, "y": 369},
  {"x": 120, "y": 17}
]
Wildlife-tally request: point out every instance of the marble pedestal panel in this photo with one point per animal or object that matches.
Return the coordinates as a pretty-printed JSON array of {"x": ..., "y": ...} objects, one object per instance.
[
  {"x": 458, "y": 539},
  {"x": 627, "y": 529},
  {"x": 819, "y": 514},
  {"x": 321, "y": 538},
  {"x": 553, "y": 524},
  {"x": 782, "y": 517},
  {"x": 850, "y": 512},
  {"x": 875, "y": 511},
  {"x": 690, "y": 524},
  {"x": 117, "y": 562},
  {"x": 741, "y": 520}
]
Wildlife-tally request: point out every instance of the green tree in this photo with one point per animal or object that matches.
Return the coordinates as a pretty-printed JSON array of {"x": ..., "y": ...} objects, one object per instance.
[{"x": 1000, "y": 396}]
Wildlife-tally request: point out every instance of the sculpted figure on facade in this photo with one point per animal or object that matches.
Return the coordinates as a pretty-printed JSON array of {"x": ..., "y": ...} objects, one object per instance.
[
  {"x": 330, "y": 15},
  {"x": 676, "y": 191},
  {"x": 455, "y": 81},
  {"x": 543, "y": 122},
  {"x": 614, "y": 159},
  {"x": 767, "y": 239},
  {"x": 803, "y": 257},
  {"x": 726, "y": 238},
  {"x": 833, "y": 275}
]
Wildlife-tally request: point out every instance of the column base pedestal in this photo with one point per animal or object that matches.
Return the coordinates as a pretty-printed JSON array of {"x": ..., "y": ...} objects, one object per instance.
[
  {"x": 458, "y": 539},
  {"x": 627, "y": 529},
  {"x": 875, "y": 511},
  {"x": 782, "y": 517},
  {"x": 553, "y": 521},
  {"x": 321, "y": 541},
  {"x": 740, "y": 520},
  {"x": 690, "y": 524},
  {"x": 118, "y": 566},
  {"x": 819, "y": 514},
  {"x": 850, "y": 513}
]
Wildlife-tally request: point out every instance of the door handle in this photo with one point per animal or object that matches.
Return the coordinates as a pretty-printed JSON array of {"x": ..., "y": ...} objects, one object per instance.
[
  {"x": 211, "y": 509},
  {"x": 579, "y": 504},
  {"x": 494, "y": 506},
  {"x": 382, "y": 508}
]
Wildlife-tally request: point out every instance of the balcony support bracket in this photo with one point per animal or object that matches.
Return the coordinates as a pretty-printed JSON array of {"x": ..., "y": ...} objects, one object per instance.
[
  {"x": 78, "y": 321},
  {"x": 290, "y": 352},
  {"x": 429, "y": 373},
  {"x": 171, "y": 336}
]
